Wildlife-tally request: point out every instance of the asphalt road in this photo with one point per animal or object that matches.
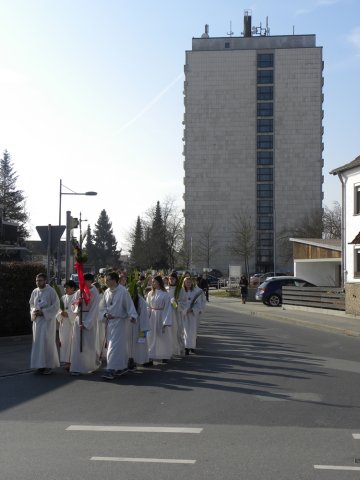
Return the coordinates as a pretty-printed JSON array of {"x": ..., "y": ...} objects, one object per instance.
[{"x": 262, "y": 399}]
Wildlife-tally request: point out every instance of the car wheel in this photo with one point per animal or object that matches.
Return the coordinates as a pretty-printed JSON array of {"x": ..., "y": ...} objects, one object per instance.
[{"x": 274, "y": 300}]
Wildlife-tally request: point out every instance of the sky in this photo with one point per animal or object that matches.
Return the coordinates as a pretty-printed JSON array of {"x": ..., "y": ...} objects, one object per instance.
[{"x": 91, "y": 92}]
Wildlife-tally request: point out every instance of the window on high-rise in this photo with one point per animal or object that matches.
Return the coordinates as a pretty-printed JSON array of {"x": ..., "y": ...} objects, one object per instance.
[
  {"x": 265, "y": 158},
  {"x": 264, "y": 223},
  {"x": 265, "y": 60},
  {"x": 265, "y": 125},
  {"x": 265, "y": 141},
  {"x": 264, "y": 174},
  {"x": 265, "y": 109},
  {"x": 265, "y": 206},
  {"x": 265, "y": 239},
  {"x": 264, "y": 190},
  {"x": 265, "y": 76},
  {"x": 265, "y": 93}
]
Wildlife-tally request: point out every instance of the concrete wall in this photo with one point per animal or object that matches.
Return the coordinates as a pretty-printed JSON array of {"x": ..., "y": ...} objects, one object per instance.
[{"x": 352, "y": 298}]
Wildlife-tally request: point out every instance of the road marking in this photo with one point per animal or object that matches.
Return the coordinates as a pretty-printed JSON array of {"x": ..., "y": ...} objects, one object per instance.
[
  {"x": 356, "y": 436},
  {"x": 114, "y": 428},
  {"x": 335, "y": 467},
  {"x": 142, "y": 460}
]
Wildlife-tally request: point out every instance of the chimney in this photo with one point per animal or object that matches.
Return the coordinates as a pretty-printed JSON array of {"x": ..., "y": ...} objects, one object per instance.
[{"x": 247, "y": 23}]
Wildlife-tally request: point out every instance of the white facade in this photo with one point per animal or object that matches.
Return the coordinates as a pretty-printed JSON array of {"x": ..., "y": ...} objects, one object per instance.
[
  {"x": 349, "y": 176},
  {"x": 228, "y": 133}
]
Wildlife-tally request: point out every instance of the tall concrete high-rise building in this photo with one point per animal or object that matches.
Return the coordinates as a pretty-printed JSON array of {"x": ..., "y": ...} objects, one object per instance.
[{"x": 252, "y": 145}]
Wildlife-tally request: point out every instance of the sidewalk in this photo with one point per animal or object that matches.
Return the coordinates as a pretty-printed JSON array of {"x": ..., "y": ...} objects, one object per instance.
[
  {"x": 15, "y": 354},
  {"x": 15, "y": 351},
  {"x": 319, "y": 318}
]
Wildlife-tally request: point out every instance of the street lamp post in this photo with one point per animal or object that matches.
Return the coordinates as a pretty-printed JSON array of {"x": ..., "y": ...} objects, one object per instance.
[{"x": 61, "y": 193}]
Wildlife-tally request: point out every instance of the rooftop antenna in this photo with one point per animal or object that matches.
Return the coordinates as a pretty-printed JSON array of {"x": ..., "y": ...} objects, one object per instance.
[
  {"x": 231, "y": 33},
  {"x": 206, "y": 33}
]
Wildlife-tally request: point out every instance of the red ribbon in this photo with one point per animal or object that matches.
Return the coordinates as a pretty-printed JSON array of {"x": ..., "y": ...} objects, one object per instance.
[{"x": 83, "y": 288}]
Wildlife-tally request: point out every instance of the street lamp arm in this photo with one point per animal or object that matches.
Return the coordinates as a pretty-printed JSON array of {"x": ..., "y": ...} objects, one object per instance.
[{"x": 76, "y": 193}]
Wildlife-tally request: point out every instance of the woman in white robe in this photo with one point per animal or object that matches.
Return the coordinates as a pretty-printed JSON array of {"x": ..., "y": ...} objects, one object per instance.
[
  {"x": 66, "y": 319},
  {"x": 139, "y": 331},
  {"x": 160, "y": 340},
  {"x": 85, "y": 361},
  {"x": 44, "y": 305},
  {"x": 177, "y": 326},
  {"x": 191, "y": 304}
]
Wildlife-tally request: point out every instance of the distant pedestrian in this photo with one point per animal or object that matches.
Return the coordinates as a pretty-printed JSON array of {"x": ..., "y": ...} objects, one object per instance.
[
  {"x": 204, "y": 285},
  {"x": 44, "y": 306},
  {"x": 244, "y": 284}
]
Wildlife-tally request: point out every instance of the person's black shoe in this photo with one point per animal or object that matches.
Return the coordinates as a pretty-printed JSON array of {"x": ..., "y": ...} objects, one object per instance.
[{"x": 150, "y": 363}]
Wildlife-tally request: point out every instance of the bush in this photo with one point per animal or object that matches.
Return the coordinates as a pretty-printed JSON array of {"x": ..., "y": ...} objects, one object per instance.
[{"x": 17, "y": 281}]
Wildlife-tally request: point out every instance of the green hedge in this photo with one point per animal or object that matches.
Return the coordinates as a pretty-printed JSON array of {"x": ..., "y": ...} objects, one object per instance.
[{"x": 17, "y": 281}]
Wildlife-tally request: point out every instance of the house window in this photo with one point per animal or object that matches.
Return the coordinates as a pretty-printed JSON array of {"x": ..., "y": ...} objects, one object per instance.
[
  {"x": 357, "y": 263},
  {"x": 227, "y": 44},
  {"x": 357, "y": 200}
]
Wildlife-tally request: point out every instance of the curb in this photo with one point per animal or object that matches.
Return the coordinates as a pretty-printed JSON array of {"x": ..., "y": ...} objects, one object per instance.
[{"x": 308, "y": 324}]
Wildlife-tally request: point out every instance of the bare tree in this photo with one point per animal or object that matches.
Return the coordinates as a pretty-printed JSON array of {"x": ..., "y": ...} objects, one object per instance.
[
  {"x": 332, "y": 221},
  {"x": 206, "y": 245},
  {"x": 243, "y": 244},
  {"x": 308, "y": 226},
  {"x": 174, "y": 229}
]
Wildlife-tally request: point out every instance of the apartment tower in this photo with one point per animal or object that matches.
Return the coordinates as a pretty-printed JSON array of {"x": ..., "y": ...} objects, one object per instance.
[{"x": 252, "y": 144}]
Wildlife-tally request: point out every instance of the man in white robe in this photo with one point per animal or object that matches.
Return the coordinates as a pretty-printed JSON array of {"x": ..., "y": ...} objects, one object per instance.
[
  {"x": 119, "y": 312},
  {"x": 85, "y": 361},
  {"x": 44, "y": 305},
  {"x": 66, "y": 319}
]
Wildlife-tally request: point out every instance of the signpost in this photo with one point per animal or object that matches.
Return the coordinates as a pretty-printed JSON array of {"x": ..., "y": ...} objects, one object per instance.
[{"x": 50, "y": 236}]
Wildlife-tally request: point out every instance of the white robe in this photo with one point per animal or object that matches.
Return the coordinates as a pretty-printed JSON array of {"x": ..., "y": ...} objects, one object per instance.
[
  {"x": 44, "y": 352},
  {"x": 160, "y": 340},
  {"x": 177, "y": 325},
  {"x": 119, "y": 304},
  {"x": 191, "y": 319},
  {"x": 85, "y": 361},
  {"x": 66, "y": 325},
  {"x": 138, "y": 338},
  {"x": 101, "y": 331}
]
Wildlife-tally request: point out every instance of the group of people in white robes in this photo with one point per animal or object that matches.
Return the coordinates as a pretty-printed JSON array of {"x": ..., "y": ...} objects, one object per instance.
[{"x": 112, "y": 325}]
